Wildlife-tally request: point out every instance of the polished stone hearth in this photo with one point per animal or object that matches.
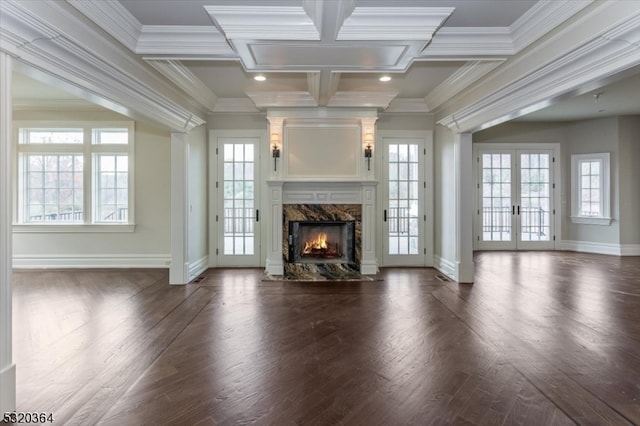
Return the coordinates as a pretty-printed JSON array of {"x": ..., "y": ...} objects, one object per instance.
[{"x": 330, "y": 270}]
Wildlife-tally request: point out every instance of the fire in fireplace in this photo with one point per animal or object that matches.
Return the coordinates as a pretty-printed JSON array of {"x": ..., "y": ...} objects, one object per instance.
[{"x": 322, "y": 241}]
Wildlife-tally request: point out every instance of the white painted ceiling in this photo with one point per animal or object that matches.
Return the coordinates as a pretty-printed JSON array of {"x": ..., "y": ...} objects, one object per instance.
[{"x": 332, "y": 53}]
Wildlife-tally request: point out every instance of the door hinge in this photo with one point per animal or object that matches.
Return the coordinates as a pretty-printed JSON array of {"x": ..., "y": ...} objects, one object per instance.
[
  {"x": 425, "y": 250},
  {"x": 425, "y": 151},
  {"x": 553, "y": 159},
  {"x": 478, "y": 211},
  {"x": 425, "y": 217},
  {"x": 553, "y": 186},
  {"x": 216, "y": 151},
  {"x": 216, "y": 184},
  {"x": 217, "y": 252},
  {"x": 425, "y": 185},
  {"x": 216, "y": 218},
  {"x": 554, "y": 211},
  {"x": 478, "y": 237},
  {"x": 478, "y": 159},
  {"x": 554, "y": 238},
  {"x": 478, "y": 185}
]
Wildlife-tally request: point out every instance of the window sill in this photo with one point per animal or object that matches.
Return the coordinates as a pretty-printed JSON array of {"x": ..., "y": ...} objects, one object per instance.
[
  {"x": 584, "y": 220},
  {"x": 73, "y": 228}
]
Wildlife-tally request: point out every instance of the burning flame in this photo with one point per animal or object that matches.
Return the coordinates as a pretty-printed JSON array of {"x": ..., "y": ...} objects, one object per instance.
[{"x": 320, "y": 243}]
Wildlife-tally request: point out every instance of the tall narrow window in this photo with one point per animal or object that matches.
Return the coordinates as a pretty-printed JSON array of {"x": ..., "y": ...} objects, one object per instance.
[{"x": 590, "y": 189}]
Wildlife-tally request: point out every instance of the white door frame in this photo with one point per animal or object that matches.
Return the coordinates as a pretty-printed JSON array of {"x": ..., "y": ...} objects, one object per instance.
[
  {"x": 555, "y": 187},
  {"x": 263, "y": 152},
  {"x": 382, "y": 138}
]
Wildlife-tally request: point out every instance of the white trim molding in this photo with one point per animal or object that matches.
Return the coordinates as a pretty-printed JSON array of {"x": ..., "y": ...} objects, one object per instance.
[
  {"x": 551, "y": 69},
  {"x": 445, "y": 266},
  {"x": 198, "y": 267},
  {"x": 77, "y": 261},
  {"x": 600, "y": 248},
  {"x": 57, "y": 44}
]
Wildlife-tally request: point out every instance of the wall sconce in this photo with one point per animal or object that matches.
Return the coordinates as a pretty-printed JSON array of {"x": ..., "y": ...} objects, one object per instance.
[
  {"x": 368, "y": 151},
  {"x": 275, "y": 150}
]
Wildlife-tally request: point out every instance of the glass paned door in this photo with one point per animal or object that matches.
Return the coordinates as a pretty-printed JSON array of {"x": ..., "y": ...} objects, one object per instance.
[
  {"x": 535, "y": 197},
  {"x": 496, "y": 204},
  {"x": 403, "y": 223},
  {"x": 238, "y": 215},
  {"x": 515, "y": 193}
]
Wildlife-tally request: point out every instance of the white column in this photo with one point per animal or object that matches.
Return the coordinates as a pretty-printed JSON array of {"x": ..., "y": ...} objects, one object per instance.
[
  {"x": 274, "y": 264},
  {"x": 179, "y": 269},
  {"x": 368, "y": 262},
  {"x": 7, "y": 367},
  {"x": 464, "y": 207}
]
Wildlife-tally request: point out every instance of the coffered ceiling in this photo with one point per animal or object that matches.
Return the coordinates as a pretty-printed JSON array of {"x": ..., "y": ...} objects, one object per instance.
[
  {"x": 322, "y": 52},
  {"x": 331, "y": 52}
]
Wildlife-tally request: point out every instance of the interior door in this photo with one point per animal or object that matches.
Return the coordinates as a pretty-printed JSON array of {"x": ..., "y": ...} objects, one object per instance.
[
  {"x": 515, "y": 199},
  {"x": 238, "y": 216},
  {"x": 404, "y": 202}
]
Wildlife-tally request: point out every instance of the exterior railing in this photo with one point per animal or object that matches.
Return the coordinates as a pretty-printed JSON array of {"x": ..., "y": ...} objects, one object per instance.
[{"x": 498, "y": 219}]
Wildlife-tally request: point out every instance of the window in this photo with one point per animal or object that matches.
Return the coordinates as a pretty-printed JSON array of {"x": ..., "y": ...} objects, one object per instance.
[
  {"x": 590, "y": 189},
  {"x": 78, "y": 175}
]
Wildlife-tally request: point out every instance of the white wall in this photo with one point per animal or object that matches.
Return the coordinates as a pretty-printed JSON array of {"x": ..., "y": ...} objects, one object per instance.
[
  {"x": 589, "y": 137},
  {"x": 198, "y": 229},
  {"x": 445, "y": 200},
  {"x": 148, "y": 245},
  {"x": 629, "y": 179}
]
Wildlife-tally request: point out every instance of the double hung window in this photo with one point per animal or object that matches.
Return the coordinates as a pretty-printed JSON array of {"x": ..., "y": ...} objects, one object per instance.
[{"x": 590, "y": 189}]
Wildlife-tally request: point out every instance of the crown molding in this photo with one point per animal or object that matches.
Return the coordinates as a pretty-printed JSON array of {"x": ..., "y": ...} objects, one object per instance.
[
  {"x": 113, "y": 17},
  {"x": 407, "y": 105},
  {"x": 177, "y": 40},
  {"x": 522, "y": 88},
  {"x": 313, "y": 84},
  {"x": 49, "y": 37},
  {"x": 472, "y": 42},
  {"x": 313, "y": 9},
  {"x": 541, "y": 18},
  {"x": 393, "y": 23},
  {"x": 260, "y": 23},
  {"x": 458, "y": 81},
  {"x": 187, "y": 81},
  {"x": 282, "y": 99},
  {"x": 368, "y": 99}
]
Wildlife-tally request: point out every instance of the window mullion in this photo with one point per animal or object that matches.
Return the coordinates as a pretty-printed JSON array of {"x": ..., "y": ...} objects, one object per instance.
[{"x": 87, "y": 178}]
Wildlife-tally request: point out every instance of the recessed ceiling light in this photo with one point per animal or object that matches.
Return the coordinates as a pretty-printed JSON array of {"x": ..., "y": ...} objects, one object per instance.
[
  {"x": 260, "y": 77},
  {"x": 385, "y": 78}
]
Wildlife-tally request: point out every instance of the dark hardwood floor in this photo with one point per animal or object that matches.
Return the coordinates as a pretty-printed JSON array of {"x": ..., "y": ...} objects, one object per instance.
[{"x": 541, "y": 338}]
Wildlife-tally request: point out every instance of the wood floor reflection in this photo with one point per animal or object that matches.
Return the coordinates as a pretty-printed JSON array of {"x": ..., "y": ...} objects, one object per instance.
[{"x": 541, "y": 338}]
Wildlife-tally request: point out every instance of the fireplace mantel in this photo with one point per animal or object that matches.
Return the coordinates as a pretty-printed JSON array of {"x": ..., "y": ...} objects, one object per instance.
[{"x": 324, "y": 191}]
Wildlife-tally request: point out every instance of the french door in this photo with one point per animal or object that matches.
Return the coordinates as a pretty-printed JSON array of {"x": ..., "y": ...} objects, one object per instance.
[
  {"x": 515, "y": 199},
  {"x": 237, "y": 214},
  {"x": 404, "y": 213}
]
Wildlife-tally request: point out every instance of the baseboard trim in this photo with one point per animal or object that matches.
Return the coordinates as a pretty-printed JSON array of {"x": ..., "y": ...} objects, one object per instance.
[
  {"x": 446, "y": 267},
  {"x": 8, "y": 389},
  {"x": 369, "y": 267},
  {"x": 600, "y": 248},
  {"x": 198, "y": 267},
  {"x": 91, "y": 261}
]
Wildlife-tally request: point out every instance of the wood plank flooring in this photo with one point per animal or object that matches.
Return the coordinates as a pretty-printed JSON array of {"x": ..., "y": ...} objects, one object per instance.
[{"x": 541, "y": 338}]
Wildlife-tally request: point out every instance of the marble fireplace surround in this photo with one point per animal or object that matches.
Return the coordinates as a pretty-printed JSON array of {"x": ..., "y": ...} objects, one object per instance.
[{"x": 340, "y": 197}]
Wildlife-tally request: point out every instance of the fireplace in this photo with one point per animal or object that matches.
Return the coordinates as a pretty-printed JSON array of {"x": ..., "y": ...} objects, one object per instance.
[{"x": 322, "y": 241}]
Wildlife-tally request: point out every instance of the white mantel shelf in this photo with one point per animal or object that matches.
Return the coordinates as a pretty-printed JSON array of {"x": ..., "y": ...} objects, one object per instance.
[{"x": 325, "y": 191}]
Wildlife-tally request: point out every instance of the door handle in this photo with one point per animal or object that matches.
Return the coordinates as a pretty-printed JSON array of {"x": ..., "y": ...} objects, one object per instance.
[
  {"x": 518, "y": 210},
  {"x": 513, "y": 209},
  {"x": 257, "y": 215},
  {"x": 385, "y": 215}
]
